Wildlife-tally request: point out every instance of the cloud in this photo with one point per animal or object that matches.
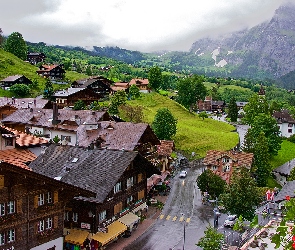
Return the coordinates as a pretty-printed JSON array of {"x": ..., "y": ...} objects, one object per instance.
[{"x": 131, "y": 24}]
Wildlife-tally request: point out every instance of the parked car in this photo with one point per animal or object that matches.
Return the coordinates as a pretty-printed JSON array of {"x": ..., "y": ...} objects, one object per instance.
[
  {"x": 183, "y": 174},
  {"x": 230, "y": 220}
]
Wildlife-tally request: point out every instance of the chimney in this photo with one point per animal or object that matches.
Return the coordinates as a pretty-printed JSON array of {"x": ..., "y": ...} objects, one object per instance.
[{"x": 55, "y": 114}]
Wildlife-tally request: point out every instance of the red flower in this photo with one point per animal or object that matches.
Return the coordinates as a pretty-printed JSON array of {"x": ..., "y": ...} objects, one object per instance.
[
  {"x": 293, "y": 245},
  {"x": 287, "y": 197},
  {"x": 293, "y": 238}
]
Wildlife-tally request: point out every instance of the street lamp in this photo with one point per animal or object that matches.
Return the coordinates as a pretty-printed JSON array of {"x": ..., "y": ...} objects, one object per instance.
[{"x": 182, "y": 214}]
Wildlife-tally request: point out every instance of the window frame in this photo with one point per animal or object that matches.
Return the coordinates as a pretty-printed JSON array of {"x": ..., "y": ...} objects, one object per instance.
[
  {"x": 130, "y": 182},
  {"x": 2, "y": 209},
  {"x": 49, "y": 197},
  {"x": 10, "y": 235},
  {"x": 2, "y": 238},
  {"x": 41, "y": 199},
  {"x": 48, "y": 223},
  {"x": 118, "y": 187},
  {"x": 102, "y": 216},
  {"x": 75, "y": 217},
  {"x": 41, "y": 226},
  {"x": 11, "y": 207}
]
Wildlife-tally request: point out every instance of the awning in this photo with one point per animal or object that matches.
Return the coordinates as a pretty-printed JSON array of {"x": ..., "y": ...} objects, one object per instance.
[
  {"x": 114, "y": 230},
  {"x": 129, "y": 219},
  {"x": 140, "y": 207},
  {"x": 76, "y": 236}
]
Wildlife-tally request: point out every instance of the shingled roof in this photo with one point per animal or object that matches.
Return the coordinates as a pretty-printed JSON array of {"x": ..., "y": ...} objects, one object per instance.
[
  {"x": 94, "y": 170},
  {"x": 18, "y": 157},
  {"x": 67, "y": 92},
  {"x": 23, "y": 139},
  {"x": 23, "y": 103},
  {"x": 287, "y": 190},
  {"x": 166, "y": 148},
  {"x": 283, "y": 117},
  {"x": 286, "y": 168}
]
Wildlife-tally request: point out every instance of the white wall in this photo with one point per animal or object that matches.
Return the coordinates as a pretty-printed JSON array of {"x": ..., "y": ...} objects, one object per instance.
[
  {"x": 58, "y": 243},
  {"x": 284, "y": 127}
]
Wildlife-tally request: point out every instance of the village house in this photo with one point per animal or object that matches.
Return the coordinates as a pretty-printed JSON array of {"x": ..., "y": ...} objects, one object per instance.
[
  {"x": 119, "y": 179},
  {"x": 9, "y": 81},
  {"x": 212, "y": 106},
  {"x": 98, "y": 84},
  {"x": 164, "y": 151},
  {"x": 68, "y": 97},
  {"x": 224, "y": 163},
  {"x": 9, "y": 105},
  {"x": 142, "y": 84},
  {"x": 51, "y": 71},
  {"x": 120, "y": 86},
  {"x": 35, "y": 57},
  {"x": 283, "y": 172},
  {"x": 32, "y": 209},
  {"x": 285, "y": 122}
]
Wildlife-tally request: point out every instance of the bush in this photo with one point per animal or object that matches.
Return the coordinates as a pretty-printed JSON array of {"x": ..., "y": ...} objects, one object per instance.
[{"x": 20, "y": 90}]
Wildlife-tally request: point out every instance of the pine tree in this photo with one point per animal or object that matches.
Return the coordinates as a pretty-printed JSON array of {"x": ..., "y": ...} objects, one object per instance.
[{"x": 233, "y": 110}]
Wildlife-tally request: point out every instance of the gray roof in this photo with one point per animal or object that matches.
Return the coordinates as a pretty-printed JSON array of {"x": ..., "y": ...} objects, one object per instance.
[
  {"x": 287, "y": 190},
  {"x": 286, "y": 168},
  {"x": 94, "y": 170},
  {"x": 23, "y": 103},
  {"x": 11, "y": 78},
  {"x": 67, "y": 92}
]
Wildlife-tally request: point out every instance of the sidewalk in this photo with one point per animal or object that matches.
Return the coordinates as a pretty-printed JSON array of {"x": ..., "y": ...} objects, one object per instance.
[{"x": 151, "y": 217}]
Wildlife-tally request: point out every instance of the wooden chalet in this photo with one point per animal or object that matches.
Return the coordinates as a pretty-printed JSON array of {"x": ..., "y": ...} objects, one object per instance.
[
  {"x": 224, "y": 163},
  {"x": 142, "y": 84},
  {"x": 10, "y": 105},
  {"x": 99, "y": 84},
  {"x": 35, "y": 57},
  {"x": 51, "y": 71},
  {"x": 209, "y": 105},
  {"x": 119, "y": 179},
  {"x": 68, "y": 97},
  {"x": 9, "y": 81},
  {"x": 120, "y": 86},
  {"x": 32, "y": 208}
]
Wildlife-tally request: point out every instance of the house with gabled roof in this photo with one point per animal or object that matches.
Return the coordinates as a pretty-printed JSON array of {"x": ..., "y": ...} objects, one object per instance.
[
  {"x": 286, "y": 122},
  {"x": 35, "y": 57},
  {"x": 32, "y": 208},
  {"x": 120, "y": 86},
  {"x": 142, "y": 84},
  {"x": 283, "y": 172},
  {"x": 53, "y": 71},
  {"x": 118, "y": 177},
  {"x": 224, "y": 163},
  {"x": 68, "y": 97},
  {"x": 9, "y": 81},
  {"x": 99, "y": 84}
]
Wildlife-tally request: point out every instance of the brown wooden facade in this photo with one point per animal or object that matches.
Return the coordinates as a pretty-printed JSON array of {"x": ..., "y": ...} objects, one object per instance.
[
  {"x": 32, "y": 209},
  {"x": 35, "y": 57},
  {"x": 16, "y": 79},
  {"x": 51, "y": 71}
]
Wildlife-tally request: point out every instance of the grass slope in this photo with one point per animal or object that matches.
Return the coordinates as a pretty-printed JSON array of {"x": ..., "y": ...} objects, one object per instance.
[{"x": 193, "y": 133}]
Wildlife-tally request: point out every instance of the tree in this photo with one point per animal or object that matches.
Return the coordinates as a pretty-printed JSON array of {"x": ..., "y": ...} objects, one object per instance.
[
  {"x": 155, "y": 78},
  {"x": 134, "y": 92},
  {"x": 164, "y": 124},
  {"x": 256, "y": 105},
  {"x": 1, "y": 38},
  {"x": 88, "y": 70},
  {"x": 268, "y": 125},
  {"x": 48, "y": 90},
  {"x": 211, "y": 183},
  {"x": 203, "y": 115},
  {"x": 79, "y": 105},
  {"x": 16, "y": 45},
  {"x": 117, "y": 99},
  {"x": 212, "y": 239},
  {"x": 131, "y": 113},
  {"x": 190, "y": 90},
  {"x": 214, "y": 93},
  {"x": 233, "y": 110},
  {"x": 20, "y": 90},
  {"x": 242, "y": 195}
]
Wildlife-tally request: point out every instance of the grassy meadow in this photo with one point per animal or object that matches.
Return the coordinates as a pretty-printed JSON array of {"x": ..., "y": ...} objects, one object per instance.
[{"x": 193, "y": 133}]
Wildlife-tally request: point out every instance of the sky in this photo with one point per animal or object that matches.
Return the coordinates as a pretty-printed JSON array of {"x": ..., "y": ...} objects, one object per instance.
[{"x": 141, "y": 25}]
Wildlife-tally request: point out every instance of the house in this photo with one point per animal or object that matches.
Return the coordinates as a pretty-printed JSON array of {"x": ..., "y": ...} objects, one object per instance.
[
  {"x": 283, "y": 172},
  {"x": 35, "y": 57},
  {"x": 209, "y": 105},
  {"x": 99, "y": 84},
  {"x": 285, "y": 122},
  {"x": 9, "y": 81},
  {"x": 32, "y": 208},
  {"x": 119, "y": 179},
  {"x": 285, "y": 193},
  {"x": 241, "y": 105},
  {"x": 224, "y": 163},
  {"x": 10, "y": 105},
  {"x": 51, "y": 71},
  {"x": 142, "y": 84},
  {"x": 164, "y": 151},
  {"x": 120, "y": 86},
  {"x": 68, "y": 97}
]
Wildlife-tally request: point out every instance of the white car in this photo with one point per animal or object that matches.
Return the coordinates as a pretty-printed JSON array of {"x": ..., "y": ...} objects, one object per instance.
[
  {"x": 182, "y": 174},
  {"x": 230, "y": 220}
]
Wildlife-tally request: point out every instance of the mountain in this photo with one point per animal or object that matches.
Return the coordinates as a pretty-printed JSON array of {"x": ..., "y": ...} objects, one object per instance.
[{"x": 264, "y": 51}]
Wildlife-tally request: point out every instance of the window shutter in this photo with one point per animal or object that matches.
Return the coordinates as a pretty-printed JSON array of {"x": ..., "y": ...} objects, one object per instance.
[
  {"x": 140, "y": 194},
  {"x": 1, "y": 181},
  {"x": 118, "y": 208},
  {"x": 19, "y": 208},
  {"x": 55, "y": 197},
  {"x": 139, "y": 178},
  {"x": 35, "y": 201},
  {"x": 55, "y": 221}
]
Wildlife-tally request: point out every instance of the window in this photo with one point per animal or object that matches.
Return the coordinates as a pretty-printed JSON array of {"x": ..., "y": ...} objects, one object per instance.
[
  {"x": 117, "y": 187},
  {"x": 2, "y": 238},
  {"x": 49, "y": 197},
  {"x": 41, "y": 200},
  {"x": 10, "y": 235},
  {"x": 214, "y": 167},
  {"x": 9, "y": 142},
  {"x": 48, "y": 223},
  {"x": 11, "y": 207},
  {"x": 129, "y": 199},
  {"x": 75, "y": 217},
  {"x": 129, "y": 182},
  {"x": 227, "y": 168},
  {"x": 289, "y": 130},
  {"x": 66, "y": 138},
  {"x": 290, "y": 125},
  {"x": 41, "y": 226},
  {"x": 2, "y": 209},
  {"x": 103, "y": 215},
  {"x": 66, "y": 216},
  {"x": 225, "y": 159}
]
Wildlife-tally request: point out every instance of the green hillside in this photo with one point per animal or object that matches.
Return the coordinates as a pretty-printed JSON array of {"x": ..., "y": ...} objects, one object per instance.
[{"x": 193, "y": 133}]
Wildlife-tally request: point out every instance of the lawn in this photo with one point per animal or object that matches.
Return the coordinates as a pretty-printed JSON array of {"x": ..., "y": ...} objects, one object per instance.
[
  {"x": 286, "y": 154},
  {"x": 193, "y": 133}
]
